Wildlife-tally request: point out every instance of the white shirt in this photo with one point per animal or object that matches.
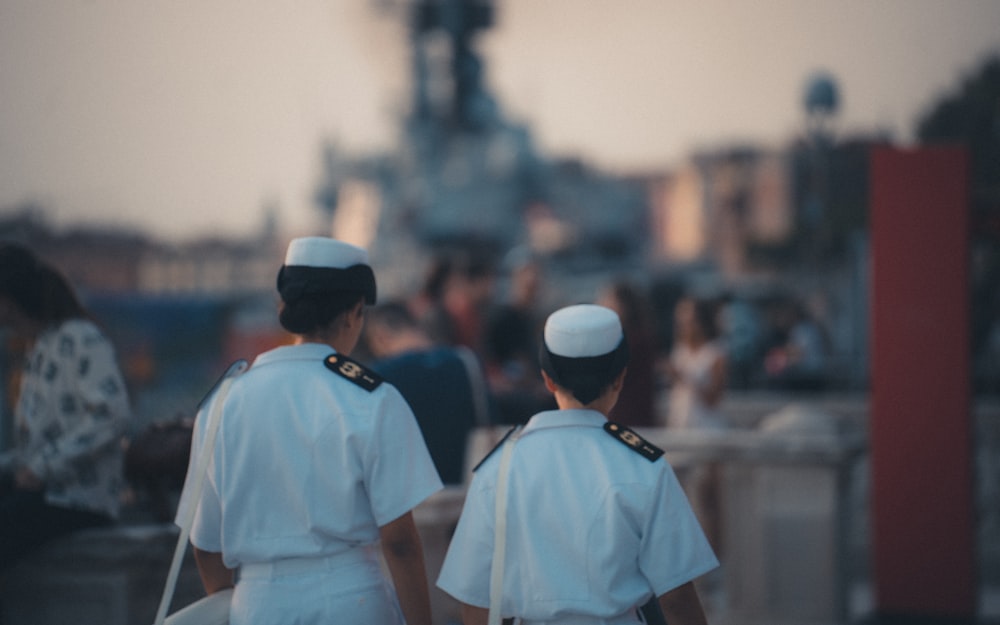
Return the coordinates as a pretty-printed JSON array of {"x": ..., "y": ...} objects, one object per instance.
[
  {"x": 306, "y": 462},
  {"x": 593, "y": 527},
  {"x": 72, "y": 410},
  {"x": 694, "y": 373}
]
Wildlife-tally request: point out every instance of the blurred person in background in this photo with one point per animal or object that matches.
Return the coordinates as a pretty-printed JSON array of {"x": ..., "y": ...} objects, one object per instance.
[
  {"x": 636, "y": 404},
  {"x": 696, "y": 367},
  {"x": 407, "y": 358},
  {"x": 427, "y": 304},
  {"x": 458, "y": 294},
  {"x": 511, "y": 348},
  {"x": 697, "y": 373},
  {"x": 740, "y": 333},
  {"x": 65, "y": 471},
  {"x": 799, "y": 360}
]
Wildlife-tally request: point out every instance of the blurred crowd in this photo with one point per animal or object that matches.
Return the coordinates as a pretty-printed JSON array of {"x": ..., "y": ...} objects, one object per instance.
[
  {"x": 496, "y": 310},
  {"x": 473, "y": 327}
]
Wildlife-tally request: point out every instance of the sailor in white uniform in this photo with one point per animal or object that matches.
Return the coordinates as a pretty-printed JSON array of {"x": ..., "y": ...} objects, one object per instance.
[
  {"x": 316, "y": 461},
  {"x": 596, "y": 523}
]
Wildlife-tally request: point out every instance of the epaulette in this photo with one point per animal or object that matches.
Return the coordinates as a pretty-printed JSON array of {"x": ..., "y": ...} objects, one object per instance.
[
  {"x": 633, "y": 441},
  {"x": 353, "y": 371},
  {"x": 495, "y": 447}
]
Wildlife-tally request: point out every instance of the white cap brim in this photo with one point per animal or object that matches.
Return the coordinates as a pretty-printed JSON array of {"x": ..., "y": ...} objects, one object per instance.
[
  {"x": 582, "y": 331},
  {"x": 324, "y": 252}
]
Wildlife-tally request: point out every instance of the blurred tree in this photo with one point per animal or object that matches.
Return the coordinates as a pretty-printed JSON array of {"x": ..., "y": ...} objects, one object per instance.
[
  {"x": 830, "y": 187},
  {"x": 970, "y": 116}
]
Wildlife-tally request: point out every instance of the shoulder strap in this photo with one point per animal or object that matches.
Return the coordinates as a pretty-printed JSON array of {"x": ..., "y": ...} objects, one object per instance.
[
  {"x": 353, "y": 371},
  {"x": 500, "y": 529},
  {"x": 633, "y": 441},
  {"x": 201, "y": 469},
  {"x": 495, "y": 447}
]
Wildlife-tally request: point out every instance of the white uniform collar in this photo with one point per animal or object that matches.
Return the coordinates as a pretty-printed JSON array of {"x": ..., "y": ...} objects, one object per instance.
[
  {"x": 572, "y": 417},
  {"x": 303, "y": 351}
]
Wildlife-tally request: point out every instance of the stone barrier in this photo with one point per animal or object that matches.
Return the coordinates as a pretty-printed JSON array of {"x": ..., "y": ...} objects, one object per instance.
[
  {"x": 106, "y": 576},
  {"x": 795, "y": 491}
]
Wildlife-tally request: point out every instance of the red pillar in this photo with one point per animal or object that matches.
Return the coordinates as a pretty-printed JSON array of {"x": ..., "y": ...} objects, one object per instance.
[{"x": 921, "y": 425}]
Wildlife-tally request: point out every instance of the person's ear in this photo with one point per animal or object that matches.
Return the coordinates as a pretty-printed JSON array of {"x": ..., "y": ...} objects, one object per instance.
[
  {"x": 550, "y": 386},
  {"x": 357, "y": 313},
  {"x": 619, "y": 381},
  {"x": 352, "y": 318}
]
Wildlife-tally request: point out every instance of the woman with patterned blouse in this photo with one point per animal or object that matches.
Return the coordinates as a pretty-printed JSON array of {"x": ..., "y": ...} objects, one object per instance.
[{"x": 72, "y": 408}]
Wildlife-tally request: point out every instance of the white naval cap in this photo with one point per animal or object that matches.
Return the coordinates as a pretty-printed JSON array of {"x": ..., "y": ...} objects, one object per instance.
[
  {"x": 324, "y": 252},
  {"x": 315, "y": 265},
  {"x": 583, "y": 330}
]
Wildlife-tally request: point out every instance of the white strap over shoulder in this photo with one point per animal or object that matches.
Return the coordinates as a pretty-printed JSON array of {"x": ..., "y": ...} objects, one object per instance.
[
  {"x": 201, "y": 469},
  {"x": 500, "y": 530}
]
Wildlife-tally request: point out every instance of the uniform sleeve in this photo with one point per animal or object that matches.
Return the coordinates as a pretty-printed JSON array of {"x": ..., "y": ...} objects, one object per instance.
[
  {"x": 465, "y": 574},
  {"x": 674, "y": 549},
  {"x": 94, "y": 402},
  {"x": 399, "y": 472},
  {"x": 206, "y": 529}
]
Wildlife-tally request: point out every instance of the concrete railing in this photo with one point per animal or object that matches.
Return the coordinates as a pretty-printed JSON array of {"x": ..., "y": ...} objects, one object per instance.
[
  {"x": 107, "y": 576},
  {"x": 794, "y": 527}
]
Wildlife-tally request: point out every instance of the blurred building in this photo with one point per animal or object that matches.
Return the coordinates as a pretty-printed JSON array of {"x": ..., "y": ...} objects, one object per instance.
[
  {"x": 105, "y": 260},
  {"x": 722, "y": 208},
  {"x": 464, "y": 175},
  {"x": 177, "y": 313}
]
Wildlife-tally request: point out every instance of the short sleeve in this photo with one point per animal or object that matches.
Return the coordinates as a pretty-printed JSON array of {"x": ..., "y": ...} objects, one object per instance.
[
  {"x": 206, "y": 528},
  {"x": 674, "y": 549},
  {"x": 465, "y": 574},
  {"x": 399, "y": 472},
  {"x": 206, "y": 531}
]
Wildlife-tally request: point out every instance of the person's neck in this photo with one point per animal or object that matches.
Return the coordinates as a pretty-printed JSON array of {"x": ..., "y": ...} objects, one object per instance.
[
  {"x": 602, "y": 404},
  {"x": 339, "y": 343},
  {"x": 694, "y": 342}
]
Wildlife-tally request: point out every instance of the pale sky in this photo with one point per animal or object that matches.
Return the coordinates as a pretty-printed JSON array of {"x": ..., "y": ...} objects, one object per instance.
[{"x": 185, "y": 117}]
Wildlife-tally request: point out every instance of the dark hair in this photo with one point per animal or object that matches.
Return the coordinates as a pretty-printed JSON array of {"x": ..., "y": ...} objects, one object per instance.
[
  {"x": 587, "y": 387},
  {"x": 311, "y": 312},
  {"x": 705, "y": 315},
  {"x": 634, "y": 305},
  {"x": 476, "y": 263},
  {"x": 437, "y": 275},
  {"x": 586, "y": 378},
  {"x": 38, "y": 289}
]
